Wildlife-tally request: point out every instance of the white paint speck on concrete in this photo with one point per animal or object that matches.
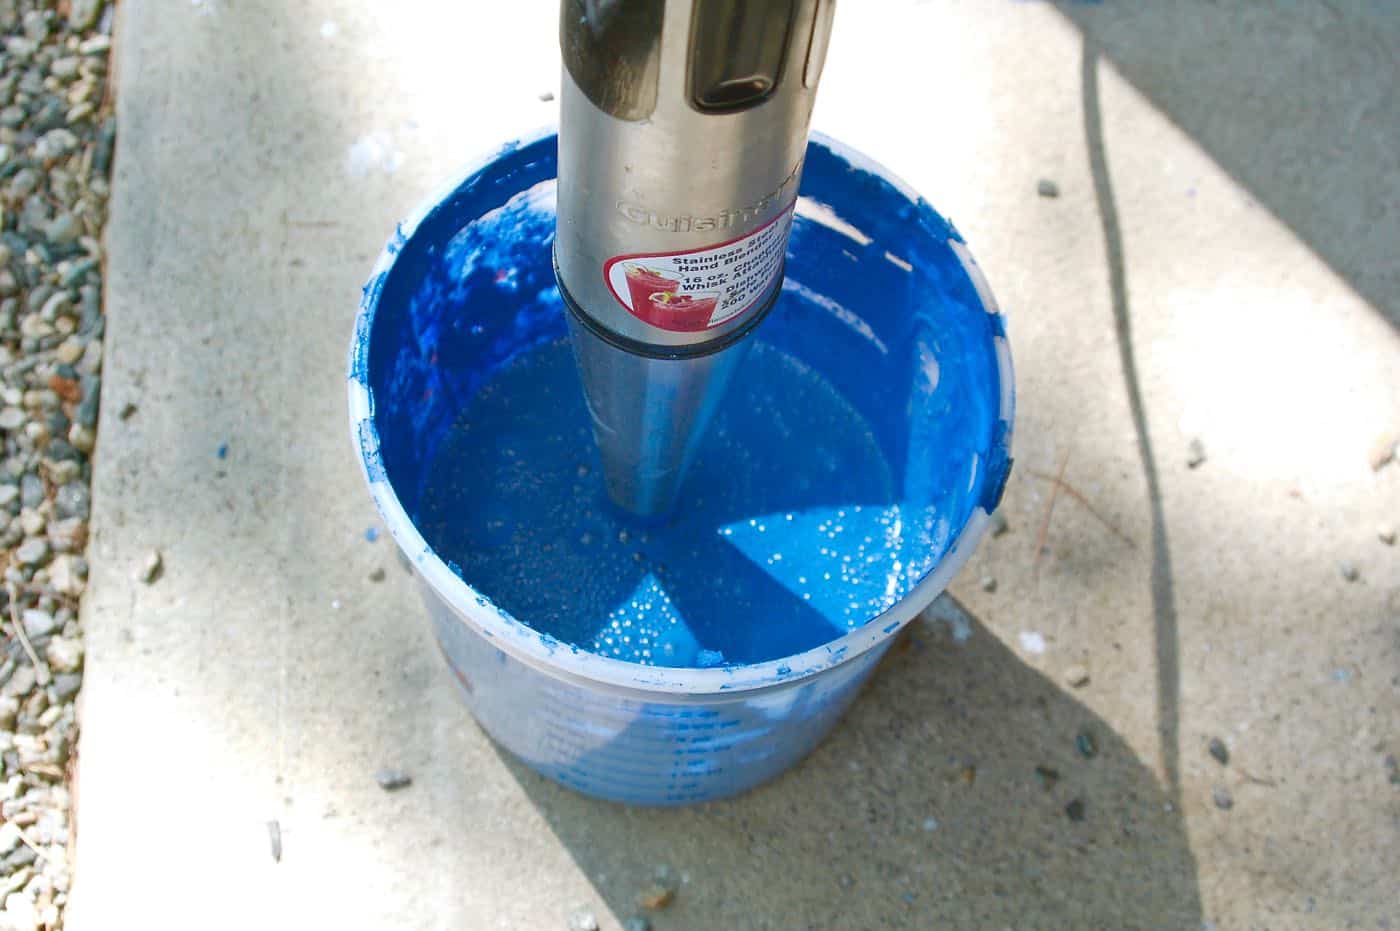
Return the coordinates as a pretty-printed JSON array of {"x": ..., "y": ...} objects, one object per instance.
[{"x": 1032, "y": 642}]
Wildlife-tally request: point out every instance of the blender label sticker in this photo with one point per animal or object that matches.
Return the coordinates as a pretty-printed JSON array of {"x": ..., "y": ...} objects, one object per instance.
[{"x": 699, "y": 289}]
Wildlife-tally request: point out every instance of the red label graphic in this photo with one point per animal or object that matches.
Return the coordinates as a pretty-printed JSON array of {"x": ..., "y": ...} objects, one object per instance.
[{"x": 698, "y": 289}]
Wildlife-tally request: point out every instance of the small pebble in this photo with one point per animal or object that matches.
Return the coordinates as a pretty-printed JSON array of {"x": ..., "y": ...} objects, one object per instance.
[
  {"x": 83, "y": 438},
  {"x": 31, "y": 490},
  {"x": 1047, "y": 777},
  {"x": 1077, "y": 675},
  {"x": 1386, "y": 534},
  {"x": 655, "y": 897},
  {"x": 64, "y": 655},
  {"x": 377, "y": 575},
  {"x": 546, "y": 96},
  {"x": 583, "y": 920},
  {"x": 150, "y": 567},
  {"x": 67, "y": 684},
  {"x": 274, "y": 836},
  {"x": 1047, "y": 188},
  {"x": 989, "y": 584},
  {"x": 73, "y": 500},
  {"x": 1075, "y": 810},
  {"x": 1195, "y": 453},
  {"x": 392, "y": 779},
  {"x": 69, "y": 351},
  {"x": 1349, "y": 571},
  {"x": 1382, "y": 451},
  {"x": 1222, "y": 798},
  {"x": 128, "y": 411},
  {"x": 38, "y": 623},
  {"x": 32, "y": 552},
  {"x": 661, "y": 890},
  {"x": 1217, "y": 749},
  {"x": 1392, "y": 769},
  {"x": 1087, "y": 746}
]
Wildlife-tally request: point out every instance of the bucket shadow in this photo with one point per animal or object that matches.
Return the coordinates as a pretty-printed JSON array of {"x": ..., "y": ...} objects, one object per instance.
[
  {"x": 1294, "y": 101},
  {"x": 925, "y": 808}
]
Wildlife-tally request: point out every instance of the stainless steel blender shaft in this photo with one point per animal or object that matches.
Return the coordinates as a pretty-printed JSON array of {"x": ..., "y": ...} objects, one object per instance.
[{"x": 682, "y": 131}]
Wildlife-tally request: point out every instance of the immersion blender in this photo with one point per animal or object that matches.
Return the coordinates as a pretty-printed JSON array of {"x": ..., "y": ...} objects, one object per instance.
[{"x": 683, "y": 125}]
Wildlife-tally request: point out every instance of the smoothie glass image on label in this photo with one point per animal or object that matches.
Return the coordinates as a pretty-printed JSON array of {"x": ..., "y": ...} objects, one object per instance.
[
  {"x": 643, "y": 282},
  {"x": 705, "y": 287},
  {"x": 683, "y": 312}
]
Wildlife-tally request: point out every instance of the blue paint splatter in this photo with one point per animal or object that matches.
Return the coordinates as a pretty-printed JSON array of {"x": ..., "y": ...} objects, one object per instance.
[
  {"x": 222, "y": 452},
  {"x": 371, "y": 534}
]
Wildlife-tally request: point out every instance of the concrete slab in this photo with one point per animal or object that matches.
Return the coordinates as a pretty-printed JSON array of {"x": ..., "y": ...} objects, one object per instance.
[{"x": 1195, "y": 278}]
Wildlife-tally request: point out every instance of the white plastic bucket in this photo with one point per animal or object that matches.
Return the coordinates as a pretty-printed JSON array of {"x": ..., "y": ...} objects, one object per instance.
[{"x": 881, "y": 295}]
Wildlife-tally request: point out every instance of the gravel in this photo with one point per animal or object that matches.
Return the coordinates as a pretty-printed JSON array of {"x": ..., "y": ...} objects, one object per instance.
[
  {"x": 1077, "y": 675},
  {"x": 56, "y": 138},
  {"x": 1222, "y": 798},
  {"x": 34, "y": 551},
  {"x": 65, "y": 655},
  {"x": 1047, "y": 188},
  {"x": 1217, "y": 749},
  {"x": 38, "y": 623}
]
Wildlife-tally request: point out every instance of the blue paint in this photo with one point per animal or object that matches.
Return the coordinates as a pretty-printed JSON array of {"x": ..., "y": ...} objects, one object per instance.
[
  {"x": 786, "y": 515},
  {"x": 368, "y": 440},
  {"x": 371, "y": 534},
  {"x": 888, "y": 321},
  {"x": 869, "y": 413},
  {"x": 222, "y": 451}
]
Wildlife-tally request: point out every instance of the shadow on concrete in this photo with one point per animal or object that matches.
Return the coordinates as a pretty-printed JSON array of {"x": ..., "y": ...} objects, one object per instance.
[
  {"x": 1271, "y": 92},
  {"x": 1164, "y": 621},
  {"x": 929, "y": 811}
]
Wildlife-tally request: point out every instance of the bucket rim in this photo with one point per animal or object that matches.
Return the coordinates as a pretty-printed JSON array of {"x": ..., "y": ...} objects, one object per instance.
[{"x": 573, "y": 663}]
